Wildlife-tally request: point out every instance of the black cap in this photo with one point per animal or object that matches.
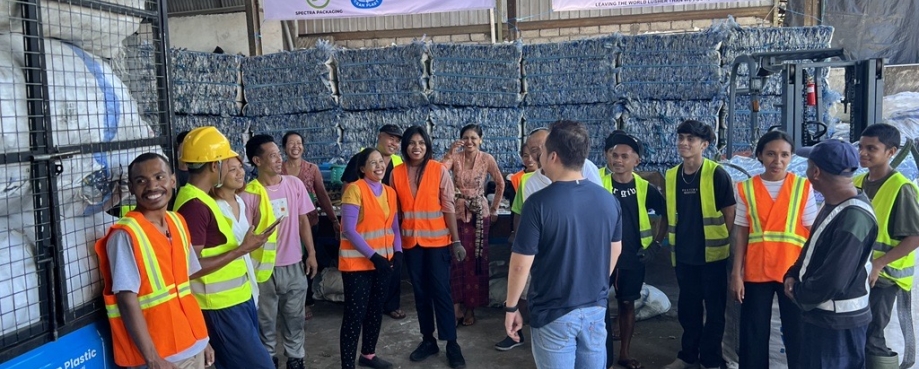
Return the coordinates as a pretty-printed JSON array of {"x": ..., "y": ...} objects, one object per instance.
[
  {"x": 833, "y": 156},
  {"x": 391, "y": 129},
  {"x": 619, "y": 137}
]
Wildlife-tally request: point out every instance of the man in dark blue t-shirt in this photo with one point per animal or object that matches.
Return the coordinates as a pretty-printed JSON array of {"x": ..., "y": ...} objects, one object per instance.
[{"x": 572, "y": 253}]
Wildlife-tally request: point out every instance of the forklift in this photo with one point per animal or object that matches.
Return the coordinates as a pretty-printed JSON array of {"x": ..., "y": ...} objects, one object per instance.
[{"x": 864, "y": 93}]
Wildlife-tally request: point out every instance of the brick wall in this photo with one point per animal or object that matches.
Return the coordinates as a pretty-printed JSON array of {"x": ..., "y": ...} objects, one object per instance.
[{"x": 563, "y": 34}]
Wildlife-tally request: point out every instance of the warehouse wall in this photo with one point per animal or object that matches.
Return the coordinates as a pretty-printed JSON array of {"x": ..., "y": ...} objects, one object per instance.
[
  {"x": 560, "y": 34},
  {"x": 205, "y": 32}
]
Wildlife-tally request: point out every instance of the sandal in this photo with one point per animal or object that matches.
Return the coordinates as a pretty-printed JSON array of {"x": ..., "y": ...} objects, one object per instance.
[
  {"x": 469, "y": 320},
  {"x": 630, "y": 364},
  {"x": 396, "y": 314},
  {"x": 309, "y": 313}
]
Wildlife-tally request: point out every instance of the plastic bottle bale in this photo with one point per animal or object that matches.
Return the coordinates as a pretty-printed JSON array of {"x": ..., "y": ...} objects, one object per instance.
[
  {"x": 136, "y": 67},
  {"x": 447, "y": 122},
  {"x": 89, "y": 104},
  {"x": 14, "y": 122},
  {"x": 475, "y": 75},
  {"x": 205, "y": 83},
  {"x": 318, "y": 127},
  {"x": 709, "y": 39},
  {"x": 78, "y": 237},
  {"x": 289, "y": 82},
  {"x": 574, "y": 72},
  {"x": 384, "y": 78},
  {"x": 96, "y": 31},
  {"x": 19, "y": 301}
]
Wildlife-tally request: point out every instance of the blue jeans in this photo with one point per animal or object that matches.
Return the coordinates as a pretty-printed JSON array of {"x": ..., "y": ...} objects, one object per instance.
[{"x": 575, "y": 340}]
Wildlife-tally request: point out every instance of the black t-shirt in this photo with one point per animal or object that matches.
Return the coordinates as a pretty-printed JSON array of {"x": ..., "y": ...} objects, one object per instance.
[
  {"x": 690, "y": 239},
  {"x": 571, "y": 247},
  {"x": 631, "y": 238},
  {"x": 350, "y": 174}
]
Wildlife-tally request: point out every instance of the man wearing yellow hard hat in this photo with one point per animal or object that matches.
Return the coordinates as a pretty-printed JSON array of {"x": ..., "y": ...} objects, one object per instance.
[{"x": 222, "y": 286}]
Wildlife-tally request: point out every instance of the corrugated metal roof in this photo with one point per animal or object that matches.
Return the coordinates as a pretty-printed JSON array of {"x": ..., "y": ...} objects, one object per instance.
[
  {"x": 203, "y": 6},
  {"x": 537, "y": 10},
  {"x": 464, "y": 18}
]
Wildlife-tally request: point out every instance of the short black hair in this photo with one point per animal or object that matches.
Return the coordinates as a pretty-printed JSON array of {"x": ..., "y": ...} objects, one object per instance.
[
  {"x": 570, "y": 141},
  {"x": 770, "y": 136},
  {"x": 698, "y": 129},
  {"x": 361, "y": 160},
  {"x": 886, "y": 133},
  {"x": 181, "y": 137},
  {"x": 474, "y": 127},
  {"x": 145, "y": 157},
  {"x": 288, "y": 135},
  {"x": 254, "y": 146}
]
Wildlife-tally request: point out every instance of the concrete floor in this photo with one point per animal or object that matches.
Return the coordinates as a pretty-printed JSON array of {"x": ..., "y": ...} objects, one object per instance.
[{"x": 655, "y": 343}]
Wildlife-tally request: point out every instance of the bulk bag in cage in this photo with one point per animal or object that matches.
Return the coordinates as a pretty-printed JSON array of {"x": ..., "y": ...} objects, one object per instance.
[
  {"x": 19, "y": 304},
  {"x": 89, "y": 103},
  {"x": 14, "y": 121},
  {"x": 96, "y": 31},
  {"x": 81, "y": 265},
  {"x": 91, "y": 183}
]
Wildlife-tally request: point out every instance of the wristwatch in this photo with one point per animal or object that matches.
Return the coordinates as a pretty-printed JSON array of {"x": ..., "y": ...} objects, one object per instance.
[{"x": 510, "y": 309}]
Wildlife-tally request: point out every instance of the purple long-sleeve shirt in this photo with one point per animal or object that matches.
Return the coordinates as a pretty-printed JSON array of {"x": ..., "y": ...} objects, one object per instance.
[{"x": 349, "y": 216}]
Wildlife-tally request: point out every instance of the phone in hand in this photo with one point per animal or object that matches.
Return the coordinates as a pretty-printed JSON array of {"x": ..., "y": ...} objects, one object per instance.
[{"x": 274, "y": 225}]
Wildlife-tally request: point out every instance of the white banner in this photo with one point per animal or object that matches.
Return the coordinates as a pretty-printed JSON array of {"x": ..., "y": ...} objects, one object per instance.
[
  {"x": 325, "y": 9},
  {"x": 563, "y": 5}
]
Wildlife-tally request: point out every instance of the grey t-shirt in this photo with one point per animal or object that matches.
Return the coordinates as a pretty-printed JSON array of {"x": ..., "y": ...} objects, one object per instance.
[{"x": 126, "y": 278}]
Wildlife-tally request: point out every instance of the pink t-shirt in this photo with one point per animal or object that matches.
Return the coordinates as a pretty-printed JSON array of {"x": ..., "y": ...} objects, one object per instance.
[{"x": 291, "y": 198}]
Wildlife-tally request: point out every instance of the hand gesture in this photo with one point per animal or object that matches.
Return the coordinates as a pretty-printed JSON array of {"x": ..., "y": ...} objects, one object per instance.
[
  {"x": 254, "y": 240},
  {"x": 457, "y": 146}
]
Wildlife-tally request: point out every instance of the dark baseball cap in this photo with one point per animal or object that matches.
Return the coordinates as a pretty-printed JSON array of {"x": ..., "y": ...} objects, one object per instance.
[
  {"x": 391, "y": 129},
  {"x": 833, "y": 156},
  {"x": 619, "y": 137}
]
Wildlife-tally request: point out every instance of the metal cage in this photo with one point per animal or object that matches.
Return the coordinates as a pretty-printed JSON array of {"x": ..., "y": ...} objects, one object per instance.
[{"x": 84, "y": 88}]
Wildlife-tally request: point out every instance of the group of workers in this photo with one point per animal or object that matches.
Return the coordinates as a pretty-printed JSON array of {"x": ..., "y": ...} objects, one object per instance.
[{"x": 212, "y": 282}]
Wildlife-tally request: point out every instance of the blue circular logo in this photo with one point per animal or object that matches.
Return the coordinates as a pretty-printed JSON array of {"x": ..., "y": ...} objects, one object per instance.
[{"x": 366, "y": 4}]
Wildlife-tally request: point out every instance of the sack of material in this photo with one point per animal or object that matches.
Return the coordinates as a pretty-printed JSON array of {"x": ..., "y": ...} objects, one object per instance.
[
  {"x": 78, "y": 237},
  {"x": 96, "y": 31},
  {"x": 19, "y": 301},
  {"x": 328, "y": 286}
]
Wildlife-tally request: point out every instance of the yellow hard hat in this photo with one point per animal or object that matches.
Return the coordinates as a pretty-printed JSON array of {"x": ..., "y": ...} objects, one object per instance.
[{"x": 206, "y": 145}]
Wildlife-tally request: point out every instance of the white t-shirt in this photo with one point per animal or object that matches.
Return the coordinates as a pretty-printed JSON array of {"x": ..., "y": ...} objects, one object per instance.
[
  {"x": 240, "y": 228},
  {"x": 538, "y": 181},
  {"x": 810, "y": 208}
]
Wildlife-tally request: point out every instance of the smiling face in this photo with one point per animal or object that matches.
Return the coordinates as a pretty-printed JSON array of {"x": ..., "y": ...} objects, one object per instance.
[
  {"x": 471, "y": 140},
  {"x": 416, "y": 148},
  {"x": 872, "y": 153},
  {"x": 690, "y": 146},
  {"x": 269, "y": 160},
  {"x": 234, "y": 176},
  {"x": 535, "y": 143},
  {"x": 775, "y": 158},
  {"x": 529, "y": 165},
  {"x": 151, "y": 183},
  {"x": 388, "y": 144},
  {"x": 374, "y": 168},
  {"x": 294, "y": 147},
  {"x": 622, "y": 159}
]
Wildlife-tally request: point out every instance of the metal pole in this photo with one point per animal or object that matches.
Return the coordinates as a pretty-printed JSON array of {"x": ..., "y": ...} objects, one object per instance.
[{"x": 491, "y": 18}]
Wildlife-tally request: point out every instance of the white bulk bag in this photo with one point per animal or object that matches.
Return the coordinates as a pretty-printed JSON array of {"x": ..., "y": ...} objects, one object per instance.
[
  {"x": 97, "y": 31},
  {"x": 19, "y": 303},
  {"x": 81, "y": 271}
]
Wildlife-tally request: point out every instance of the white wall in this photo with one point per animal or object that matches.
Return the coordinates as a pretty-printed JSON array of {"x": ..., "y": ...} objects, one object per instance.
[{"x": 229, "y": 31}]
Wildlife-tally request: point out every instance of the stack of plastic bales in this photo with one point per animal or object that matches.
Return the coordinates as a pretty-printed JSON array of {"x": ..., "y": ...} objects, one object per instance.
[
  {"x": 655, "y": 124},
  {"x": 475, "y": 75},
  {"x": 573, "y": 72},
  {"x": 288, "y": 82},
  {"x": 360, "y": 128},
  {"x": 137, "y": 69},
  {"x": 320, "y": 131},
  {"x": 749, "y": 40},
  {"x": 206, "y": 83},
  {"x": 665, "y": 80},
  {"x": 385, "y": 78},
  {"x": 500, "y": 128},
  {"x": 600, "y": 119}
]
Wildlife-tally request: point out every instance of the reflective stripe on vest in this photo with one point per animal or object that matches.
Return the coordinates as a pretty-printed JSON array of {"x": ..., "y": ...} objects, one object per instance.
[
  {"x": 263, "y": 258},
  {"x": 375, "y": 228},
  {"x": 162, "y": 298},
  {"x": 641, "y": 192},
  {"x": 227, "y": 286},
  {"x": 847, "y": 305},
  {"x": 900, "y": 271},
  {"x": 776, "y": 231},
  {"x": 717, "y": 243},
  {"x": 423, "y": 223}
]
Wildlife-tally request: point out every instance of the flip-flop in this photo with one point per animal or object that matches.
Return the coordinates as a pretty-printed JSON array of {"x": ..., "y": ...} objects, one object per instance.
[
  {"x": 630, "y": 364},
  {"x": 309, "y": 313},
  {"x": 396, "y": 314}
]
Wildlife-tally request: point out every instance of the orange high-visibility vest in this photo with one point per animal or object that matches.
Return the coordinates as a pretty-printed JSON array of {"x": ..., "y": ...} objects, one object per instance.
[
  {"x": 173, "y": 316},
  {"x": 422, "y": 219},
  {"x": 375, "y": 227},
  {"x": 515, "y": 180},
  {"x": 777, "y": 232}
]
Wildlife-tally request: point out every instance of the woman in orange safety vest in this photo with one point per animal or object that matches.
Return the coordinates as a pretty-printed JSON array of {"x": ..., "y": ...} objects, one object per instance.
[
  {"x": 774, "y": 213},
  {"x": 430, "y": 239},
  {"x": 369, "y": 248}
]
